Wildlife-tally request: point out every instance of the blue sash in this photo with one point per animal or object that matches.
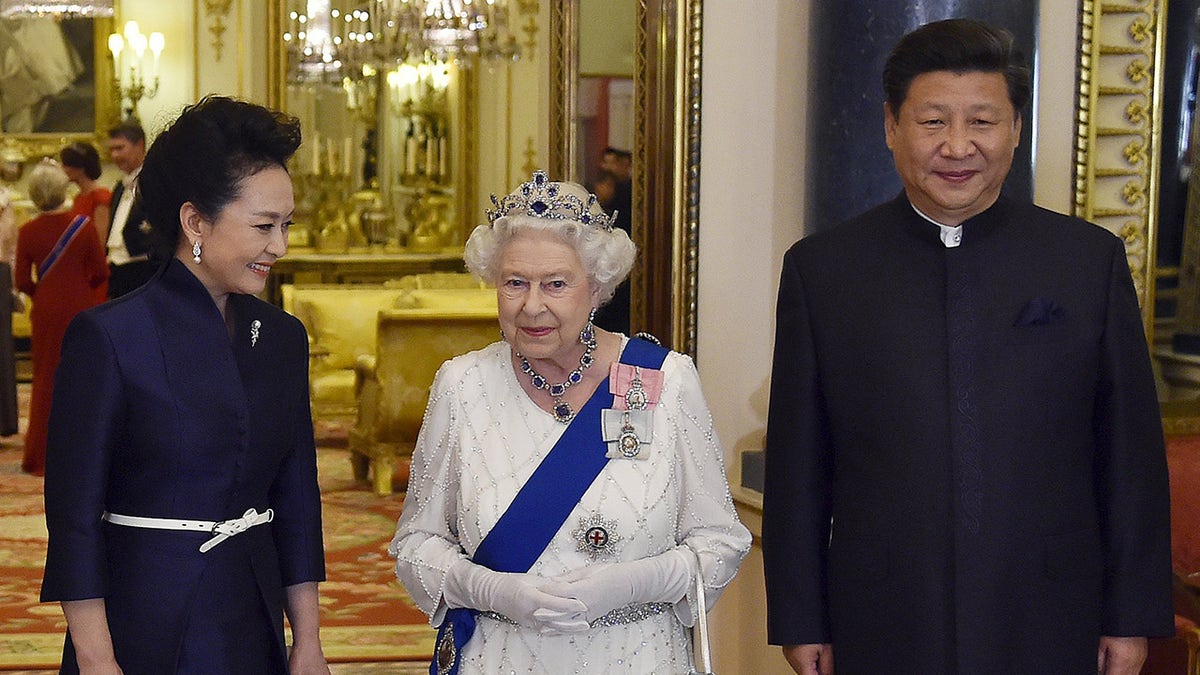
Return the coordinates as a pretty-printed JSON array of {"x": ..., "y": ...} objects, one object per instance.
[
  {"x": 61, "y": 245},
  {"x": 542, "y": 505}
]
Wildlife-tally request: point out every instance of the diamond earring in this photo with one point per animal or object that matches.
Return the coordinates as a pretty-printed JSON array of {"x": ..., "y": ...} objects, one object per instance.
[
  {"x": 196, "y": 252},
  {"x": 588, "y": 334}
]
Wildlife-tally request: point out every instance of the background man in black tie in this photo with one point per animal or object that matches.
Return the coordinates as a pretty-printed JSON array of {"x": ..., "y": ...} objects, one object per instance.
[
  {"x": 130, "y": 235},
  {"x": 965, "y": 467}
]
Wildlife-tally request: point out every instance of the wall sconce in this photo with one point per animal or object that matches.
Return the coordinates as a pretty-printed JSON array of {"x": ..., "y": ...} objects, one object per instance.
[{"x": 129, "y": 55}]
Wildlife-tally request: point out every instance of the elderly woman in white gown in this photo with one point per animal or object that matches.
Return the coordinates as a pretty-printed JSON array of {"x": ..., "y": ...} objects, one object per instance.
[{"x": 568, "y": 489}]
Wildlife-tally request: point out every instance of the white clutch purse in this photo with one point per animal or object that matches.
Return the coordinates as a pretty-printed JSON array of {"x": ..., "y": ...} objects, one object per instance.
[{"x": 701, "y": 656}]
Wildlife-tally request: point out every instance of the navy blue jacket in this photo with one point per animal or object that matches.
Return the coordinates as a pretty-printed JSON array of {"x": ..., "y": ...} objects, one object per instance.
[{"x": 161, "y": 410}]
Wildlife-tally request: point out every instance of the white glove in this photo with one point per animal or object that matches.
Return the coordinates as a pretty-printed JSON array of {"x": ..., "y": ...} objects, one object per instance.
[
  {"x": 516, "y": 596},
  {"x": 665, "y": 577}
]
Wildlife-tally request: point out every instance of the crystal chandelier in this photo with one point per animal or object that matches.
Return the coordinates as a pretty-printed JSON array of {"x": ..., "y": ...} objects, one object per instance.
[
  {"x": 327, "y": 43},
  {"x": 12, "y": 9},
  {"x": 312, "y": 45}
]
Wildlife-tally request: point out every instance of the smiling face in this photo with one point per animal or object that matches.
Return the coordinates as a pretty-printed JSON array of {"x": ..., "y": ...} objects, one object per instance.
[
  {"x": 246, "y": 238},
  {"x": 544, "y": 297},
  {"x": 953, "y": 141}
]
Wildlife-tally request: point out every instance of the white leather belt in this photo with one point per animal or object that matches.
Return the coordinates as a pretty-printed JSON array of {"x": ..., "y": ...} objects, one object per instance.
[{"x": 223, "y": 529}]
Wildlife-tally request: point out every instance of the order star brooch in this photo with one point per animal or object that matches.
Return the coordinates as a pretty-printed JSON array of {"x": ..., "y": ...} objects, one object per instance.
[{"x": 597, "y": 537}]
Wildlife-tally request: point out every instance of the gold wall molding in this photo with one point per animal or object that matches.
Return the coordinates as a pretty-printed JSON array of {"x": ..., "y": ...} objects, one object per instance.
[
  {"x": 530, "y": 9},
  {"x": 1119, "y": 129},
  {"x": 531, "y": 153},
  {"x": 217, "y": 11}
]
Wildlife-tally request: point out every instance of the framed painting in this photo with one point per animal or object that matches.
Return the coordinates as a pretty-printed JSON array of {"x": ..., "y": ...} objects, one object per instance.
[{"x": 55, "y": 83}]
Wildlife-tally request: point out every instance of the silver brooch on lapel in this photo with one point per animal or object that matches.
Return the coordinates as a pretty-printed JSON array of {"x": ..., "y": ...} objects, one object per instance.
[
  {"x": 254, "y": 326},
  {"x": 597, "y": 537}
]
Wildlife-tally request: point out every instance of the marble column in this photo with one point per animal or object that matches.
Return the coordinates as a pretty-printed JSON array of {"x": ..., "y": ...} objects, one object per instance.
[{"x": 850, "y": 167}]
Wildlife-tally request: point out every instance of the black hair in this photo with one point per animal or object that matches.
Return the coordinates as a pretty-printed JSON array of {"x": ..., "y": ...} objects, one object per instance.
[
  {"x": 957, "y": 46},
  {"x": 81, "y": 156},
  {"x": 204, "y": 156},
  {"x": 130, "y": 129}
]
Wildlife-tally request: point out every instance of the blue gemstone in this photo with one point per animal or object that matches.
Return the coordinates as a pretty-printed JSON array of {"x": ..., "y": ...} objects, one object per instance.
[
  {"x": 575, "y": 377},
  {"x": 539, "y": 381},
  {"x": 562, "y": 411},
  {"x": 539, "y": 207},
  {"x": 558, "y": 389}
]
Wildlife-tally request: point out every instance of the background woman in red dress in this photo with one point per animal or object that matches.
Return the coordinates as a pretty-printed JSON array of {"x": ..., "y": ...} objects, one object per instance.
[
  {"x": 60, "y": 263},
  {"x": 81, "y": 162}
]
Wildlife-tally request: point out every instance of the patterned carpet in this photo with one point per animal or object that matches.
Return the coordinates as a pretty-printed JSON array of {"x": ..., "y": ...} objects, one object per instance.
[{"x": 365, "y": 614}]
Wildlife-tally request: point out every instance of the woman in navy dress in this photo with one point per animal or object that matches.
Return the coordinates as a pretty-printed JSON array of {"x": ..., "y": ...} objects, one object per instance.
[{"x": 181, "y": 483}]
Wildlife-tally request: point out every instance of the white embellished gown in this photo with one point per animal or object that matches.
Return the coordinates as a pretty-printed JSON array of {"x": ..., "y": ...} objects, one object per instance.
[{"x": 482, "y": 438}]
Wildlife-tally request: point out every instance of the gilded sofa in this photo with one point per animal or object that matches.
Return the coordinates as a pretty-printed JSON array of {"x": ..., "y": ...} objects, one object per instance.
[
  {"x": 340, "y": 320},
  {"x": 426, "y": 328}
]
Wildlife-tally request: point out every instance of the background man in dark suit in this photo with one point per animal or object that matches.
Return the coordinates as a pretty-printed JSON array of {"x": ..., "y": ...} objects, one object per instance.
[
  {"x": 965, "y": 467},
  {"x": 129, "y": 235}
]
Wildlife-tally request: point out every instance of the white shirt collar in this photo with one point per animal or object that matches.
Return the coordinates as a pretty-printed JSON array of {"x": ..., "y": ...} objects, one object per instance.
[
  {"x": 130, "y": 179},
  {"x": 951, "y": 236}
]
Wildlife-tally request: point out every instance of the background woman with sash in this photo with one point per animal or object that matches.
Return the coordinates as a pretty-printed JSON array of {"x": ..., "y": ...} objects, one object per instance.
[
  {"x": 81, "y": 163},
  {"x": 60, "y": 264},
  {"x": 567, "y": 487}
]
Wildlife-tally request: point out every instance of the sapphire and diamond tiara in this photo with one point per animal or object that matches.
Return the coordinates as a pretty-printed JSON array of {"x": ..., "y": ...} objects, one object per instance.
[{"x": 542, "y": 198}]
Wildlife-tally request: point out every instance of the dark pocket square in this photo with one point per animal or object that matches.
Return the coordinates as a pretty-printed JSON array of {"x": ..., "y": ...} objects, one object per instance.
[{"x": 1039, "y": 312}]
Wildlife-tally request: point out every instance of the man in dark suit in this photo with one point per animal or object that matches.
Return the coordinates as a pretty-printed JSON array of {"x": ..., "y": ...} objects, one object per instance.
[
  {"x": 129, "y": 236},
  {"x": 965, "y": 467}
]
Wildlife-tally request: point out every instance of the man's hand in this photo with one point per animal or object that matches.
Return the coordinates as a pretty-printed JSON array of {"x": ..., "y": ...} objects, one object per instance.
[
  {"x": 1120, "y": 655},
  {"x": 810, "y": 659}
]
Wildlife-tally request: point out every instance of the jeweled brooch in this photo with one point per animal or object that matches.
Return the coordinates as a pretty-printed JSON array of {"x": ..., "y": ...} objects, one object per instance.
[{"x": 597, "y": 537}]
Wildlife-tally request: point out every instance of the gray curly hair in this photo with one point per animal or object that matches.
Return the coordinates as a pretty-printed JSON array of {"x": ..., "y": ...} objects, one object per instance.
[
  {"x": 607, "y": 254},
  {"x": 48, "y": 185}
]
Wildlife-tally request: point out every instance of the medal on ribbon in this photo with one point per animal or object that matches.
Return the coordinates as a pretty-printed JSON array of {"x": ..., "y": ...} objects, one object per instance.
[
  {"x": 626, "y": 433},
  {"x": 633, "y": 387}
]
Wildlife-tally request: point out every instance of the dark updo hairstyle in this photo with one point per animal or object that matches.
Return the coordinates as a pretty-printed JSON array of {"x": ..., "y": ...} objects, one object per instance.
[
  {"x": 81, "y": 156},
  {"x": 956, "y": 46},
  {"x": 204, "y": 156}
]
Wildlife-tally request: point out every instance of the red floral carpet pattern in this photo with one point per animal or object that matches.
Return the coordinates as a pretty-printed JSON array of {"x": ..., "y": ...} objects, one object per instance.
[{"x": 365, "y": 613}]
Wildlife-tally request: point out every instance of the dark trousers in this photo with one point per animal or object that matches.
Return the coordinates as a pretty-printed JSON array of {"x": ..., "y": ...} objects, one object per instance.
[{"x": 124, "y": 278}]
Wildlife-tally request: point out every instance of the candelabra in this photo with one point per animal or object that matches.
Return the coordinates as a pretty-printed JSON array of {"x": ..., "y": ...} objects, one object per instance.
[{"x": 129, "y": 57}]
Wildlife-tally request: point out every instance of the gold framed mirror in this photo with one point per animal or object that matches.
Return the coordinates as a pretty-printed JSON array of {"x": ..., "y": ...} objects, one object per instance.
[
  {"x": 665, "y": 146},
  {"x": 73, "y": 62},
  {"x": 666, "y": 155},
  {"x": 1118, "y": 132},
  {"x": 1119, "y": 177}
]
